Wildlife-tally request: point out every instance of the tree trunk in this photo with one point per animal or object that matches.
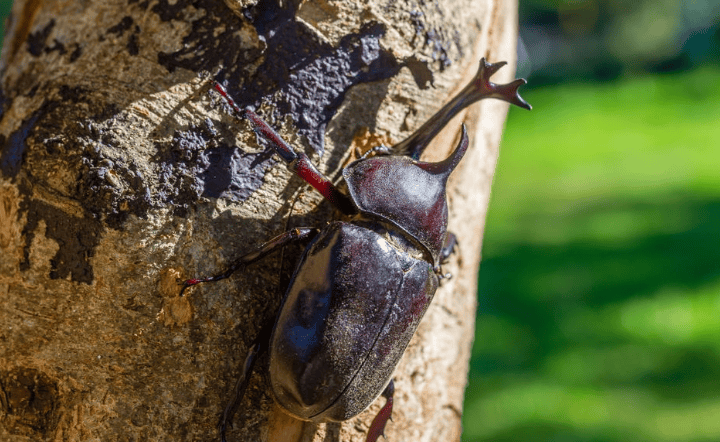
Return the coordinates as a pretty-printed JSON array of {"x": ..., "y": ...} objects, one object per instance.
[{"x": 121, "y": 175}]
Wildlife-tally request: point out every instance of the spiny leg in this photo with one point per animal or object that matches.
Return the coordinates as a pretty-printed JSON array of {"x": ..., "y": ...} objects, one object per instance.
[
  {"x": 448, "y": 249},
  {"x": 262, "y": 341},
  {"x": 297, "y": 162},
  {"x": 479, "y": 87},
  {"x": 377, "y": 428},
  {"x": 259, "y": 252},
  {"x": 240, "y": 387},
  {"x": 376, "y": 151},
  {"x": 261, "y": 344}
]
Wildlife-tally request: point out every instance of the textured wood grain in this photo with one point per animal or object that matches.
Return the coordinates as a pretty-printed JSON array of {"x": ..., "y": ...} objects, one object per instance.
[{"x": 112, "y": 155}]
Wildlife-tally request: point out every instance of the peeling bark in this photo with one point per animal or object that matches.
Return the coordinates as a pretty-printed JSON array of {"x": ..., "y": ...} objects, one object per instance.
[{"x": 119, "y": 175}]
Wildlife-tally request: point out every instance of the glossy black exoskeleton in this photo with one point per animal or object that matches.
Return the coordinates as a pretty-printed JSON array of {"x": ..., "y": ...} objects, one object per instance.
[{"x": 363, "y": 284}]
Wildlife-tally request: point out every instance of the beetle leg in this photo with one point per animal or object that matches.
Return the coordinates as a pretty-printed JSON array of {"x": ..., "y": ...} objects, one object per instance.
[
  {"x": 448, "y": 247},
  {"x": 261, "y": 344},
  {"x": 259, "y": 252},
  {"x": 479, "y": 87},
  {"x": 447, "y": 250},
  {"x": 376, "y": 151},
  {"x": 377, "y": 428},
  {"x": 240, "y": 386},
  {"x": 297, "y": 162}
]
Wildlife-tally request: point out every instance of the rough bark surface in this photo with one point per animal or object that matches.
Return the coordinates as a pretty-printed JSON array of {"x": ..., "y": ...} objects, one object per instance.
[{"x": 120, "y": 175}]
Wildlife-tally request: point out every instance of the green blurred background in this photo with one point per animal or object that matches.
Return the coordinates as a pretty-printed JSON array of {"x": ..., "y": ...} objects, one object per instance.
[{"x": 599, "y": 290}]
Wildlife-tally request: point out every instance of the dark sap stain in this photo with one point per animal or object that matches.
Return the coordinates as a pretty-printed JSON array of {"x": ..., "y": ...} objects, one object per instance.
[
  {"x": 57, "y": 46},
  {"x": 195, "y": 163},
  {"x": 167, "y": 10},
  {"x": 14, "y": 147},
  {"x": 3, "y": 103},
  {"x": 311, "y": 83},
  {"x": 132, "y": 44},
  {"x": 232, "y": 174},
  {"x": 74, "y": 94},
  {"x": 76, "y": 53},
  {"x": 30, "y": 400},
  {"x": 77, "y": 238},
  {"x": 45, "y": 139},
  {"x": 36, "y": 40},
  {"x": 204, "y": 48},
  {"x": 436, "y": 39},
  {"x": 119, "y": 29},
  {"x": 32, "y": 91},
  {"x": 306, "y": 78},
  {"x": 122, "y": 26}
]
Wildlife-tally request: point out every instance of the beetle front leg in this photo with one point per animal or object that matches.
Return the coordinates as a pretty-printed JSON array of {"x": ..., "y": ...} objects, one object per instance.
[
  {"x": 298, "y": 162},
  {"x": 377, "y": 428},
  {"x": 479, "y": 87},
  {"x": 261, "y": 251}
]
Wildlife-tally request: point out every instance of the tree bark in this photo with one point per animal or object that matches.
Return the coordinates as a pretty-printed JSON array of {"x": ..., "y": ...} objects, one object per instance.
[{"x": 122, "y": 175}]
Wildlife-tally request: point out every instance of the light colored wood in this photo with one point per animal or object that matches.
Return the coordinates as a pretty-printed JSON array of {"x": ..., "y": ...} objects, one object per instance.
[{"x": 96, "y": 344}]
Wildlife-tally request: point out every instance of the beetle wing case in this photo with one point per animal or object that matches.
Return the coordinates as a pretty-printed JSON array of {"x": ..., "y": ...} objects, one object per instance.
[{"x": 352, "y": 307}]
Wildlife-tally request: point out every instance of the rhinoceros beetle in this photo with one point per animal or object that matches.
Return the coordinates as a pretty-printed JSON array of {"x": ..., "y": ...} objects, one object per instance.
[{"x": 363, "y": 282}]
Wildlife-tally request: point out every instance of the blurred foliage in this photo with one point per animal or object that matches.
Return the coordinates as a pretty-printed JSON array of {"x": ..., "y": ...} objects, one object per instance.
[
  {"x": 601, "y": 39},
  {"x": 5, "y": 6},
  {"x": 599, "y": 289}
]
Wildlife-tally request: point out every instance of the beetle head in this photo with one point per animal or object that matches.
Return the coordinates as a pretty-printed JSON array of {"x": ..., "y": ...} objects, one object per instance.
[{"x": 406, "y": 192}]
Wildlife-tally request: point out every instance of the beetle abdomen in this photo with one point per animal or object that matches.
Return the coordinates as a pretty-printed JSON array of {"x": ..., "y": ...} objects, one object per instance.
[{"x": 351, "y": 308}]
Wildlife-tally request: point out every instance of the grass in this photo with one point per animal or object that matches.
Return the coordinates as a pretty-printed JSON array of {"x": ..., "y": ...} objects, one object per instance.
[{"x": 599, "y": 290}]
